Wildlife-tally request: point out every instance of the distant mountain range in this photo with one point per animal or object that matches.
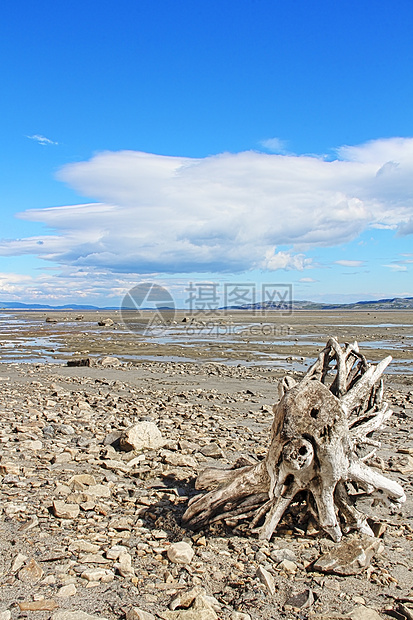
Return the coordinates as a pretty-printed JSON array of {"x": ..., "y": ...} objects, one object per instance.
[
  {"x": 15, "y": 305},
  {"x": 395, "y": 303}
]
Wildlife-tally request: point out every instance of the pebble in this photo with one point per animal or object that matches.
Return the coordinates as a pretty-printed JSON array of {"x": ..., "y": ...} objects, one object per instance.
[
  {"x": 75, "y": 615},
  {"x": 364, "y": 613},
  {"x": 98, "y": 574},
  {"x": 180, "y": 553},
  {"x": 303, "y": 600},
  {"x": 124, "y": 565},
  {"x": 288, "y": 566},
  {"x": 266, "y": 578},
  {"x": 185, "y": 599},
  {"x": 66, "y": 591},
  {"x": 84, "y": 546},
  {"x": 212, "y": 450},
  {"x": 41, "y": 605},
  {"x": 179, "y": 460},
  {"x": 349, "y": 557},
  {"x": 65, "y": 511},
  {"x": 18, "y": 562},
  {"x": 201, "y": 609},
  {"x": 109, "y": 361},
  {"x": 139, "y": 614},
  {"x": 278, "y": 555},
  {"x": 31, "y": 573},
  {"x": 141, "y": 436},
  {"x": 115, "y": 552},
  {"x": 9, "y": 469}
]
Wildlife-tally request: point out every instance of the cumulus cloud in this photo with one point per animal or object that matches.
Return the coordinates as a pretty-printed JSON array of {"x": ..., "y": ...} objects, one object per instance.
[
  {"x": 285, "y": 260},
  {"x": 225, "y": 213},
  {"x": 41, "y": 139}
]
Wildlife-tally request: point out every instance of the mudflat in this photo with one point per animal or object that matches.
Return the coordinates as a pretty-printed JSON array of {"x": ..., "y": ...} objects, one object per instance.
[
  {"x": 88, "y": 527},
  {"x": 284, "y": 340}
]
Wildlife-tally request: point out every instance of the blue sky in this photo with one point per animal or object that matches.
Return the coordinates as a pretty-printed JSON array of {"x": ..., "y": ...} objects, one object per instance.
[{"x": 222, "y": 141}]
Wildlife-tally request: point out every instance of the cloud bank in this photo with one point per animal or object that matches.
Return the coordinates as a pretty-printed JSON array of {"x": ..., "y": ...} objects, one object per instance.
[{"x": 225, "y": 213}]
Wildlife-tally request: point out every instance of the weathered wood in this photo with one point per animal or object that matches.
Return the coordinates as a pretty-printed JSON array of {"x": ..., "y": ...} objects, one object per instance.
[{"x": 320, "y": 427}]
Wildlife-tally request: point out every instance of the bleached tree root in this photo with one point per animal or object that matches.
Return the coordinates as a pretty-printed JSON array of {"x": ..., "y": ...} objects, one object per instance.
[{"x": 321, "y": 427}]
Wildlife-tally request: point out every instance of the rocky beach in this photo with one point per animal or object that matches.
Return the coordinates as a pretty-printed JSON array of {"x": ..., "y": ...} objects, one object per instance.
[{"x": 99, "y": 460}]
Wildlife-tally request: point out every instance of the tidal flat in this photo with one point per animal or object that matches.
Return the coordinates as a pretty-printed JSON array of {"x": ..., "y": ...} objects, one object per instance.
[{"x": 275, "y": 340}]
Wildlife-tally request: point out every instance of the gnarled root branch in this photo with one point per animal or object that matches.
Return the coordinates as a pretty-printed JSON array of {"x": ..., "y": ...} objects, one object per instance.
[{"x": 320, "y": 427}]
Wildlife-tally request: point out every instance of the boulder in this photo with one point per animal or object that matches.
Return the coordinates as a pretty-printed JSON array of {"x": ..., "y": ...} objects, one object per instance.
[{"x": 141, "y": 436}]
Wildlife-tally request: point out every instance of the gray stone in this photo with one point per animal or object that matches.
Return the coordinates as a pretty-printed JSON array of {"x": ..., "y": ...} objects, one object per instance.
[
  {"x": 109, "y": 361},
  {"x": 139, "y": 614},
  {"x": 288, "y": 566},
  {"x": 38, "y": 605},
  {"x": 65, "y": 511},
  {"x": 303, "y": 600},
  {"x": 180, "y": 553},
  {"x": 84, "y": 546},
  {"x": 179, "y": 460},
  {"x": 79, "y": 481},
  {"x": 364, "y": 613},
  {"x": 185, "y": 599},
  {"x": 201, "y": 609},
  {"x": 75, "y": 615},
  {"x": 278, "y": 555},
  {"x": 349, "y": 557},
  {"x": 68, "y": 590},
  {"x": 115, "y": 552},
  {"x": 141, "y": 436},
  {"x": 212, "y": 450},
  {"x": 18, "y": 562},
  {"x": 266, "y": 578},
  {"x": 98, "y": 490},
  {"x": 98, "y": 574},
  {"x": 124, "y": 565},
  {"x": 31, "y": 444},
  {"x": 31, "y": 573}
]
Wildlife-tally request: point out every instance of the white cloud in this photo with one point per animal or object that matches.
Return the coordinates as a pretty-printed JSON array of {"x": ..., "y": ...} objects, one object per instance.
[
  {"x": 275, "y": 145},
  {"x": 65, "y": 286},
  {"x": 224, "y": 213},
  {"x": 285, "y": 260},
  {"x": 307, "y": 280},
  {"x": 396, "y": 267},
  {"x": 349, "y": 263},
  {"x": 41, "y": 139}
]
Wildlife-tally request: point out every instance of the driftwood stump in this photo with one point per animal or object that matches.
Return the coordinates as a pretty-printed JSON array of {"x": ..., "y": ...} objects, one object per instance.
[{"x": 320, "y": 440}]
